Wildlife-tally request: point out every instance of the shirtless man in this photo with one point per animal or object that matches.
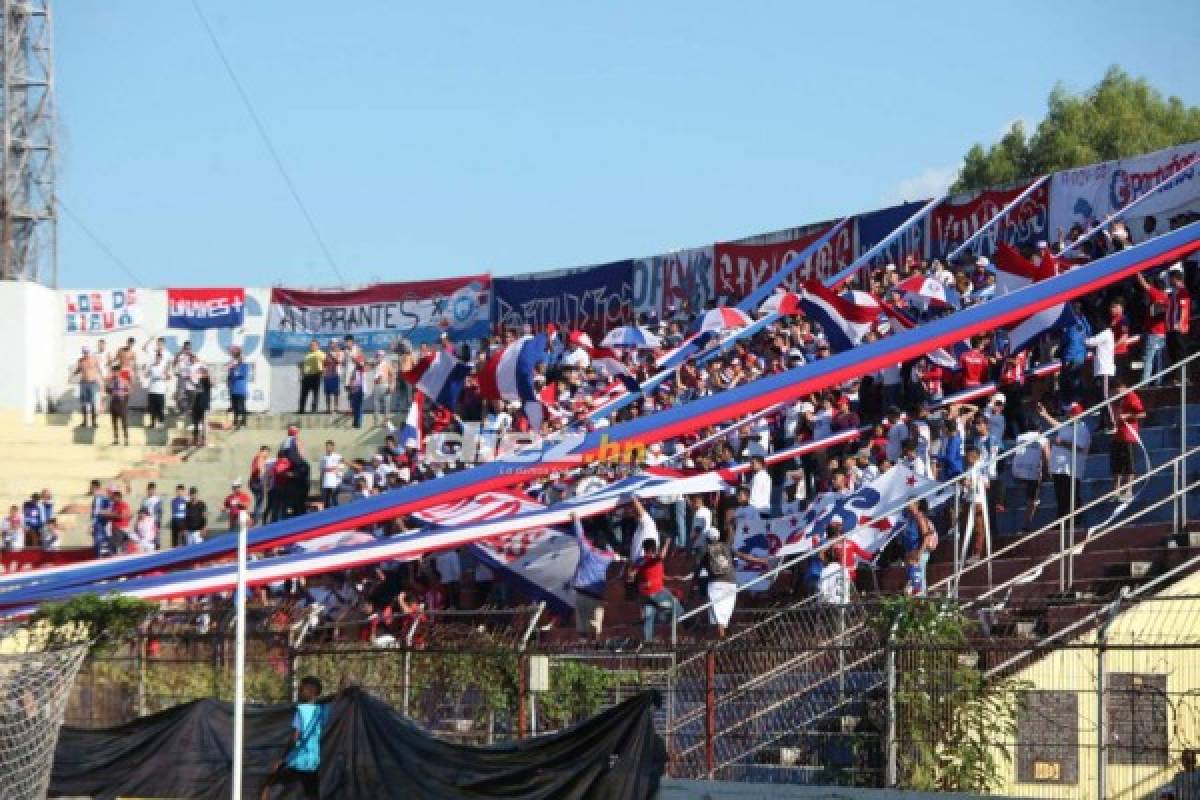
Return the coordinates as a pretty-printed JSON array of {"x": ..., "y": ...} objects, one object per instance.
[{"x": 90, "y": 379}]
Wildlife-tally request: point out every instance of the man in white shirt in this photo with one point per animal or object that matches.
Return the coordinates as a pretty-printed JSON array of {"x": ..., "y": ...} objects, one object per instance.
[
  {"x": 702, "y": 517},
  {"x": 897, "y": 435},
  {"x": 1028, "y": 466},
  {"x": 760, "y": 486},
  {"x": 1104, "y": 364},
  {"x": 1066, "y": 468},
  {"x": 332, "y": 466},
  {"x": 647, "y": 528}
]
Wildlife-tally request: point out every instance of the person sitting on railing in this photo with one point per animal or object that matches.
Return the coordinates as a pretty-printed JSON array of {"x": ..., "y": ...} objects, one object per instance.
[{"x": 649, "y": 574}]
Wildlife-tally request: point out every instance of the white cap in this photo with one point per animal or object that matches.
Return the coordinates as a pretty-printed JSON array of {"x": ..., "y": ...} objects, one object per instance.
[
  {"x": 1042, "y": 244},
  {"x": 1176, "y": 267},
  {"x": 807, "y": 408},
  {"x": 712, "y": 534},
  {"x": 981, "y": 261},
  {"x": 999, "y": 397},
  {"x": 237, "y": 481},
  {"x": 890, "y": 268}
]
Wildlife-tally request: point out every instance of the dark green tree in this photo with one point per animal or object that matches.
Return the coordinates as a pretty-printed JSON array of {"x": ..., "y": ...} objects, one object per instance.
[{"x": 1120, "y": 116}]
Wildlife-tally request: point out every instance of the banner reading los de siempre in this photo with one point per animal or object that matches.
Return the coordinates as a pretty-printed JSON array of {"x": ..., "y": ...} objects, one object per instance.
[{"x": 377, "y": 316}]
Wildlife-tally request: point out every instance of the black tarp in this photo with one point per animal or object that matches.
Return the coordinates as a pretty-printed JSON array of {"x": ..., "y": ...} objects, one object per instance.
[{"x": 369, "y": 752}]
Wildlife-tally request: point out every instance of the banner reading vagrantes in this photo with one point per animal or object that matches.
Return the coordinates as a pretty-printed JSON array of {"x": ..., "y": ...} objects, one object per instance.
[{"x": 377, "y": 316}]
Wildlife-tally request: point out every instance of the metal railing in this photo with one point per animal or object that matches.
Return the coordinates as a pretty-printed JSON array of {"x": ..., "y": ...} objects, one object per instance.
[{"x": 696, "y": 670}]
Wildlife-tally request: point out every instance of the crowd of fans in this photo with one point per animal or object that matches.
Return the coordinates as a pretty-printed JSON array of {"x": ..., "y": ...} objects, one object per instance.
[{"x": 1146, "y": 318}]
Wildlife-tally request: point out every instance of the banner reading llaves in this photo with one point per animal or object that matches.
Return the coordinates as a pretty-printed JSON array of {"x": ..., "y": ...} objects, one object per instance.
[
  {"x": 377, "y": 316},
  {"x": 201, "y": 309}
]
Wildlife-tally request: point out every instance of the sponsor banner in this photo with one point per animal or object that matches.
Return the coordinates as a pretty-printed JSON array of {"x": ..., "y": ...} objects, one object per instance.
[
  {"x": 1078, "y": 197},
  {"x": 96, "y": 311},
  {"x": 377, "y": 316},
  {"x": 742, "y": 268},
  {"x": 873, "y": 227},
  {"x": 200, "y": 309},
  {"x": 667, "y": 283},
  {"x": 959, "y": 217},
  {"x": 593, "y": 299}
]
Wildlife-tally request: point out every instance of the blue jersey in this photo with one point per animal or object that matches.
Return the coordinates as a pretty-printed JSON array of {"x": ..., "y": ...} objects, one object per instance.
[
  {"x": 179, "y": 508},
  {"x": 309, "y": 721}
]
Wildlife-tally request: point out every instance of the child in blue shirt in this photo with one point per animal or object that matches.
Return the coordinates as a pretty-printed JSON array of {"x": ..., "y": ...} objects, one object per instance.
[{"x": 302, "y": 761}]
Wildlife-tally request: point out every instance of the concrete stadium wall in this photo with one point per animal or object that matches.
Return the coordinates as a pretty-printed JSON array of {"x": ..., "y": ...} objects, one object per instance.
[
  {"x": 715, "y": 790},
  {"x": 31, "y": 333}
]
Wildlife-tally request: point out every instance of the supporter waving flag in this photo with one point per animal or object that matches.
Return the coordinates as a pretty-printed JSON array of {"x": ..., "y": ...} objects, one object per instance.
[
  {"x": 410, "y": 434},
  {"x": 508, "y": 374},
  {"x": 1014, "y": 271},
  {"x": 606, "y": 360},
  {"x": 923, "y": 291},
  {"x": 440, "y": 376},
  {"x": 843, "y": 322}
]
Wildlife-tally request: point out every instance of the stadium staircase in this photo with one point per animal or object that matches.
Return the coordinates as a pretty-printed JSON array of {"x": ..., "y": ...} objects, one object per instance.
[
  {"x": 51, "y": 452},
  {"x": 788, "y": 686}
]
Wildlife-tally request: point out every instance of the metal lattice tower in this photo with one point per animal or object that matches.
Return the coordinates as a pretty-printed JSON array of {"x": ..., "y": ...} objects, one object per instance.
[{"x": 28, "y": 217}]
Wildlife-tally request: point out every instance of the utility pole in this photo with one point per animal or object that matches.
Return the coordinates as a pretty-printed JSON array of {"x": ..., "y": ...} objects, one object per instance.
[{"x": 28, "y": 213}]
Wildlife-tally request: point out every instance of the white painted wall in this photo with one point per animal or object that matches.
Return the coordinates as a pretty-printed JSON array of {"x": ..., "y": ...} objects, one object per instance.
[{"x": 31, "y": 333}]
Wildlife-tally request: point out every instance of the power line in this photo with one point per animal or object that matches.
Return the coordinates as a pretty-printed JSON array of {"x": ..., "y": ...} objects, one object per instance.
[
  {"x": 262, "y": 132},
  {"x": 100, "y": 244}
]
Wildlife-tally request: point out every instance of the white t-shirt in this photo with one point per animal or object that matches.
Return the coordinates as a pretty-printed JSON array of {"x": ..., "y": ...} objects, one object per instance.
[
  {"x": 156, "y": 379},
  {"x": 897, "y": 435},
  {"x": 1027, "y": 462},
  {"x": 702, "y": 520},
  {"x": 760, "y": 491},
  {"x": 1060, "y": 451},
  {"x": 331, "y": 471},
  {"x": 1105, "y": 362},
  {"x": 647, "y": 529}
]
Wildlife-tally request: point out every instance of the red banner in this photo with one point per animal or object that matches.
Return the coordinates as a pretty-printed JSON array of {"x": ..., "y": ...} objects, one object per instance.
[
  {"x": 957, "y": 219},
  {"x": 196, "y": 309},
  {"x": 739, "y": 269}
]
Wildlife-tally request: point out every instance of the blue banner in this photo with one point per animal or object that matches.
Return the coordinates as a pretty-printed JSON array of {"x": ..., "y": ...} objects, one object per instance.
[
  {"x": 590, "y": 298},
  {"x": 874, "y": 226}
]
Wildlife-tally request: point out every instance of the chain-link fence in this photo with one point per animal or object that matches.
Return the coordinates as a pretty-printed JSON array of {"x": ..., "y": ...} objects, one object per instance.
[{"x": 1050, "y": 699}]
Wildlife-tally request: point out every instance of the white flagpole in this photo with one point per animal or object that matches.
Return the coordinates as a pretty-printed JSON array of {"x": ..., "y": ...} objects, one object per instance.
[
  {"x": 1120, "y": 212},
  {"x": 858, "y": 263},
  {"x": 239, "y": 685},
  {"x": 1000, "y": 215}
]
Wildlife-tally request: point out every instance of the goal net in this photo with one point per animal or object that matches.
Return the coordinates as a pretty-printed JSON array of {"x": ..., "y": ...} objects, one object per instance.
[{"x": 36, "y": 676}]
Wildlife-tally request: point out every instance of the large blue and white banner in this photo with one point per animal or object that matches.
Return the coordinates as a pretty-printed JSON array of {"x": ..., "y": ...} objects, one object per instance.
[
  {"x": 1088, "y": 194},
  {"x": 590, "y": 298},
  {"x": 377, "y": 316}
]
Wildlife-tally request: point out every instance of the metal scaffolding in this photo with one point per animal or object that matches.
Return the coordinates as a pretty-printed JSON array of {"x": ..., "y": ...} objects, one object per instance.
[{"x": 28, "y": 217}]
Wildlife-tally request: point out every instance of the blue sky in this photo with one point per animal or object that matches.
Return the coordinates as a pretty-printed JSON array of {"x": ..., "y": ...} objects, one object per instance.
[{"x": 462, "y": 137}]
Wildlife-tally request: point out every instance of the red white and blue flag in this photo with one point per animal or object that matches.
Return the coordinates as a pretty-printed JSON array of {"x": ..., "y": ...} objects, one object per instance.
[
  {"x": 1013, "y": 273},
  {"x": 843, "y": 322},
  {"x": 440, "y": 376},
  {"x": 412, "y": 435},
  {"x": 200, "y": 309},
  {"x": 508, "y": 374},
  {"x": 923, "y": 291}
]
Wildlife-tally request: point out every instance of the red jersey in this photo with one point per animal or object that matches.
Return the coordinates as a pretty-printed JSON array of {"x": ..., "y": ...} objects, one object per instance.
[
  {"x": 1179, "y": 310},
  {"x": 1013, "y": 373},
  {"x": 974, "y": 367},
  {"x": 931, "y": 379},
  {"x": 650, "y": 575},
  {"x": 1127, "y": 424},
  {"x": 237, "y": 501},
  {"x": 1156, "y": 321},
  {"x": 121, "y": 515}
]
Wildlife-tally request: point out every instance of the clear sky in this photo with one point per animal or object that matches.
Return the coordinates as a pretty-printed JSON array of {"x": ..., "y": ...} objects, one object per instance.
[{"x": 444, "y": 138}]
